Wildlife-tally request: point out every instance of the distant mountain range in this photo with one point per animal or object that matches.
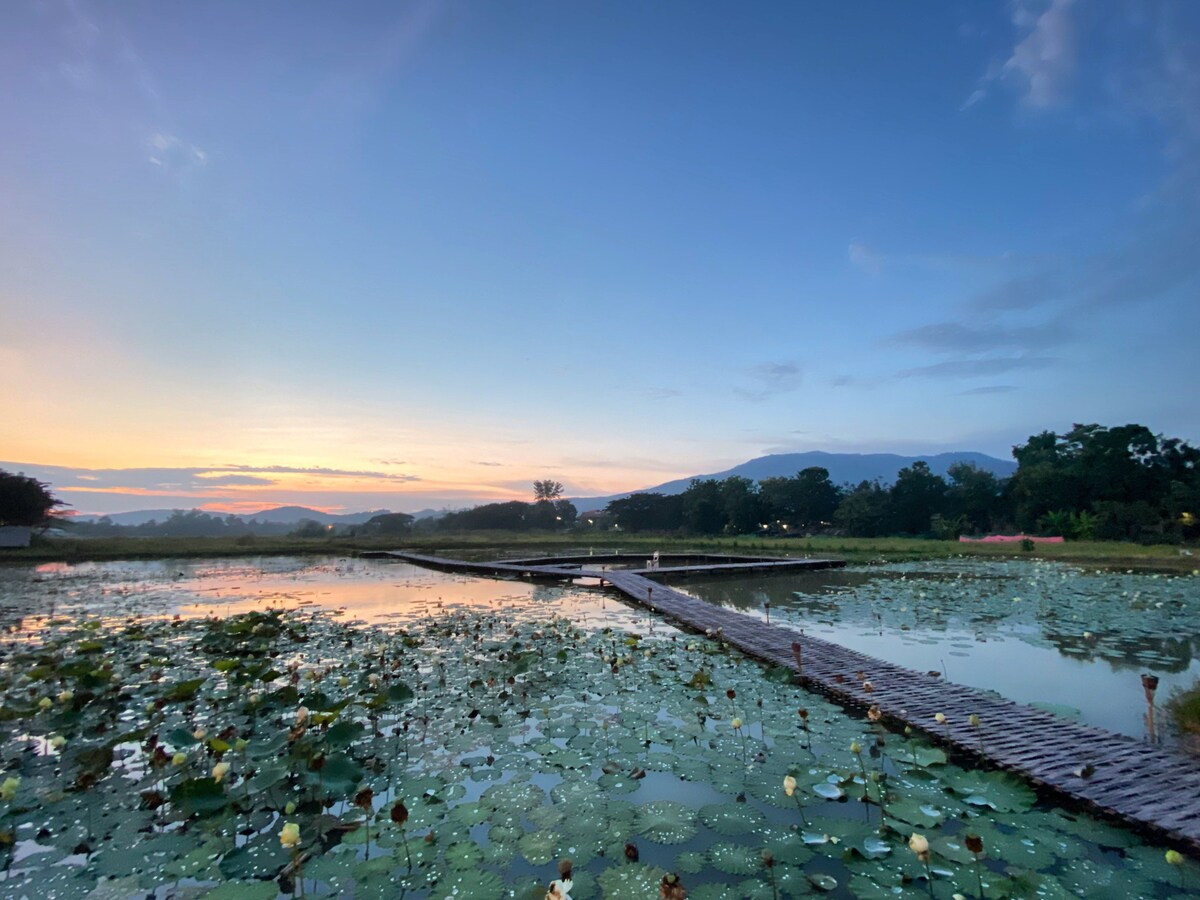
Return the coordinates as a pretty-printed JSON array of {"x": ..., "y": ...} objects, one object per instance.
[{"x": 844, "y": 468}]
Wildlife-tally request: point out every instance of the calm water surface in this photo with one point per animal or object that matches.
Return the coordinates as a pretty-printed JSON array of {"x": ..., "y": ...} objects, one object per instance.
[
  {"x": 1035, "y": 632},
  {"x": 1041, "y": 633}
]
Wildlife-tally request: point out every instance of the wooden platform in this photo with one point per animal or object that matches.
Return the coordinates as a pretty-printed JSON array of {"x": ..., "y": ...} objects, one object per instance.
[{"x": 1150, "y": 787}]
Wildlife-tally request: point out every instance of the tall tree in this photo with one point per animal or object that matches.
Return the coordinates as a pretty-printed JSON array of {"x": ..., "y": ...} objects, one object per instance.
[
  {"x": 704, "y": 507},
  {"x": 863, "y": 511},
  {"x": 25, "y": 501},
  {"x": 807, "y": 499},
  {"x": 916, "y": 497},
  {"x": 743, "y": 507},
  {"x": 648, "y": 512},
  {"x": 976, "y": 495},
  {"x": 548, "y": 489}
]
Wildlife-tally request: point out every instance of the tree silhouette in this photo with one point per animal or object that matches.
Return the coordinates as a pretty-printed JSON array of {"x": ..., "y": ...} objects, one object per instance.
[
  {"x": 547, "y": 490},
  {"x": 25, "y": 501}
]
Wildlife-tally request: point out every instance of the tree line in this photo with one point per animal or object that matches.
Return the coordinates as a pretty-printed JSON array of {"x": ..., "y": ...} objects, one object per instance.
[{"x": 1091, "y": 483}]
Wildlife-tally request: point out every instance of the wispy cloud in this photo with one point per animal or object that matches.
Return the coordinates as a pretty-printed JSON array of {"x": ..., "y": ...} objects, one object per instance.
[
  {"x": 978, "y": 368},
  {"x": 958, "y": 337},
  {"x": 1042, "y": 62},
  {"x": 991, "y": 389},
  {"x": 863, "y": 257},
  {"x": 1021, "y": 292},
  {"x": 200, "y": 479},
  {"x": 215, "y": 479},
  {"x": 167, "y": 151},
  {"x": 660, "y": 393},
  {"x": 771, "y": 379}
]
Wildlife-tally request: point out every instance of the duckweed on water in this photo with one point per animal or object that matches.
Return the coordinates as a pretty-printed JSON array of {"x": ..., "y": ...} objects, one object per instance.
[{"x": 464, "y": 757}]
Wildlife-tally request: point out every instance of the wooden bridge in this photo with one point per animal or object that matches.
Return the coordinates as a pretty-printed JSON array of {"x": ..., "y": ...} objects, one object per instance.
[{"x": 1149, "y": 787}]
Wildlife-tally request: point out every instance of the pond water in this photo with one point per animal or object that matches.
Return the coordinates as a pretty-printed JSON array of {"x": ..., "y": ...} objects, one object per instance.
[
  {"x": 428, "y": 736},
  {"x": 371, "y": 591},
  {"x": 1042, "y": 633}
]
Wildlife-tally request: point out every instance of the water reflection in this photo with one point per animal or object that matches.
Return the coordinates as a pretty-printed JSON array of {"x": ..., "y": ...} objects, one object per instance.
[
  {"x": 370, "y": 591},
  {"x": 1034, "y": 631}
]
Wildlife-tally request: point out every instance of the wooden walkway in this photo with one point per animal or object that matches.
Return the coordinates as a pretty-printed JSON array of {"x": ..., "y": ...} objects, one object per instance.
[{"x": 1149, "y": 787}]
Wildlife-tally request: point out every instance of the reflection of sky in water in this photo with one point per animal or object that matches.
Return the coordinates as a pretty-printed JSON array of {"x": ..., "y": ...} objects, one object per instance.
[
  {"x": 378, "y": 592},
  {"x": 1036, "y": 632}
]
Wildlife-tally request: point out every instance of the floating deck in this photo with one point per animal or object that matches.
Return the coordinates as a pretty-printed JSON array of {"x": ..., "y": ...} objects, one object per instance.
[{"x": 1147, "y": 786}]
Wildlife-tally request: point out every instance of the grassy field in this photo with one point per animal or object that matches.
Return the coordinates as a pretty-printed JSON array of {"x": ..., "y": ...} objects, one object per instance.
[{"x": 484, "y": 544}]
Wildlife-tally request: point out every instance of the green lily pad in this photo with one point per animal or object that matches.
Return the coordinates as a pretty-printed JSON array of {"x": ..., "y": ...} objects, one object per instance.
[{"x": 666, "y": 823}]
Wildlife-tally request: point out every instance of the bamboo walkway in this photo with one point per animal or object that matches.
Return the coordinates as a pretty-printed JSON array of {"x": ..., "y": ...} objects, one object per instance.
[{"x": 1150, "y": 787}]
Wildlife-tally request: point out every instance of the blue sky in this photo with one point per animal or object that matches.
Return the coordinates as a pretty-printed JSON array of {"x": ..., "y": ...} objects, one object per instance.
[{"x": 447, "y": 248}]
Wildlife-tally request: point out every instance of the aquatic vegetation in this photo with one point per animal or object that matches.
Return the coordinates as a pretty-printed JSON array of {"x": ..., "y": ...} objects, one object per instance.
[
  {"x": 1100, "y": 638},
  {"x": 470, "y": 754},
  {"x": 1184, "y": 709}
]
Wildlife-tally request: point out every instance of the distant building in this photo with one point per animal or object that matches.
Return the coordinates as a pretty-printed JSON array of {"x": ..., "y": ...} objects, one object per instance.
[{"x": 13, "y": 536}]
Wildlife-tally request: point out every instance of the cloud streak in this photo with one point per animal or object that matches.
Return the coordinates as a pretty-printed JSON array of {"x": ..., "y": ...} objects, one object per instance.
[
  {"x": 957, "y": 337},
  {"x": 198, "y": 480},
  {"x": 772, "y": 379},
  {"x": 978, "y": 368}
]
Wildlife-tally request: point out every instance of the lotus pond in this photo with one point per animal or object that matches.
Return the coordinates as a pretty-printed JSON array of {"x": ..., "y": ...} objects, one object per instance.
[
  {"x": 1074, "y": 641},
  {"x": 460, "y": 738}
]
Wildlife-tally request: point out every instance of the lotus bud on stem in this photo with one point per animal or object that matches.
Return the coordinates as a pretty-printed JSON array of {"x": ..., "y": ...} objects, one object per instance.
[
  {"x": 1175, "y": 858},
  {"x": 974, "y": 843},
  {"x": 918, "y": 844},
  {"x": 977, "y": 724},
  {"x": 768, "y": 859},
  {"x": 789, "y": 788},
  {"x": 399, "y": 817}
]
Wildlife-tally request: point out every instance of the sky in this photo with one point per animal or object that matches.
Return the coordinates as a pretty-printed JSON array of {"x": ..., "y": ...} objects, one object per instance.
[{"x": 418, "y": 254}]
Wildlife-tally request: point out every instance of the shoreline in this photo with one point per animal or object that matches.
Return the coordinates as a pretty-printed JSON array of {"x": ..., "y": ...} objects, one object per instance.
[{"x": 1163, "y": 558}]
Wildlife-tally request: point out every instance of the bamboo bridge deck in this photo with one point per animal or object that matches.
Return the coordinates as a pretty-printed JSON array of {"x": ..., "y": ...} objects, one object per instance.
[{"x": 1150, "y": 787}]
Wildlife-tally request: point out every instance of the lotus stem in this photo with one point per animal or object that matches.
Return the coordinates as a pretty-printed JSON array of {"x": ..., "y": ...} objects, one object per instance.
[{"x": 407, "y": 853}]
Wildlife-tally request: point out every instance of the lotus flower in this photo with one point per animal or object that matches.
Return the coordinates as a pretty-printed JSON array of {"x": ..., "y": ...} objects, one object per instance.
[
  {"x": 920, "y": 846},
  {"x": 179, "y": 759},
  {"x": 940, "y": 718},
  {"x": 219, "y": 771},
  {"x": 560, "y": 889},
  {"x": 789, "y": 785},
  {"x": 45, "y": 703},
  {"x": 289, "y": 837},
  {"x": 58, "y": 742},
  {"x": 66, "y": 696},
  {"x": 736, "y": 723},
  {"x": 301, "y": 715}
]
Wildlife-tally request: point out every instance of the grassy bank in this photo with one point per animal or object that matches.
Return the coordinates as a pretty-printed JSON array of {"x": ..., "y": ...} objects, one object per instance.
[{"x": 482, "y": 544}]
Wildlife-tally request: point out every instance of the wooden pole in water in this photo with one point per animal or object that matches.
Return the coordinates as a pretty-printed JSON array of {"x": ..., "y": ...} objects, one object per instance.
[{"x": 1149, "y": 687}]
